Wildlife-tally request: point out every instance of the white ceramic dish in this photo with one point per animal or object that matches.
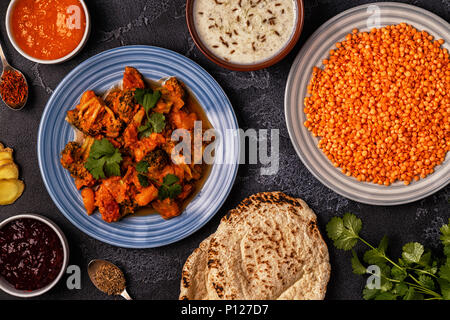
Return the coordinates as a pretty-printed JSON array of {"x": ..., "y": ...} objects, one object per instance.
[
  {"x": 55, "y": 61},
  {"x": 313, "y": 52},
  {"x": 7, "y": 287}
]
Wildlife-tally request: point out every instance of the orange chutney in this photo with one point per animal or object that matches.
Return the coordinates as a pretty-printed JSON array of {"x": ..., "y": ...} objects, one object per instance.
[{"x": 48, "y": 29}]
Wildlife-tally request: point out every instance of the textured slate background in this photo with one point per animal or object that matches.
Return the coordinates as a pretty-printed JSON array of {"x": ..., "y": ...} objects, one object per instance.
[{"x": 257, "y": 98}]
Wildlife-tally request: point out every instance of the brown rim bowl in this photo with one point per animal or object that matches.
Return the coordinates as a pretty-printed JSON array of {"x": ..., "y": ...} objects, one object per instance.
[{"x": 244, "y": 67}]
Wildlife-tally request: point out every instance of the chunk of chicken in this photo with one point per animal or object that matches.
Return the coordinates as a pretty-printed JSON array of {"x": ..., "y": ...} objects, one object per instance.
[
  {"x": 167, "y": 208},
  {"x": 73, "y": 158},
  {"x": 132, "y": 79},
  {"x": 93, "y": 117},
  {"x": 124, "y": 106},
  {"x": 173, "y": 92}
]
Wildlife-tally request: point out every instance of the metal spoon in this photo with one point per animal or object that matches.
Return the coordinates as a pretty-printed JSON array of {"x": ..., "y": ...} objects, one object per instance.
[
  {"x": 92, "y": 269},
  {"x": 7, "y": 67}
]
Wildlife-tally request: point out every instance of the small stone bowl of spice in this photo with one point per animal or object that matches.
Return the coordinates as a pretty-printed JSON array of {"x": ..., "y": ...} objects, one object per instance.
[
  {"x": 108, "y": 278},
  {"x": 245, "y": 35}
]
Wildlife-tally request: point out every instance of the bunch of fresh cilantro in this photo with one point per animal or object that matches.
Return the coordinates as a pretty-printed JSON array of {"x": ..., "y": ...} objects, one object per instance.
[
  {"x": 104, "y": 159},
  {"x": 155, "y": 121},
  {"x": 416, "y": 275}
]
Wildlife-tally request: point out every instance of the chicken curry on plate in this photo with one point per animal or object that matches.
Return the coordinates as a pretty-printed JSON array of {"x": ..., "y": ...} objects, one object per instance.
[{"x": 125, "y": 159}]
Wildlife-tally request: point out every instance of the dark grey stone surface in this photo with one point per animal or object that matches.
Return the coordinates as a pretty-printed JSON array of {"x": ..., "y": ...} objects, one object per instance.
[{"x": 257, "y": 98}]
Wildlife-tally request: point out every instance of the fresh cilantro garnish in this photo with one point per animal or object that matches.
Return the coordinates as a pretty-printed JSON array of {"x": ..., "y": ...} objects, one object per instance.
[
  {"x": 170, "y": 188},
  {"x": 416, "y": 275},
  {"x": 344, "y": 231},
  {"x": 142, "y": 166},
  {"x": 156, "y": 123},
  {"x": 147, "y": 98},
  {"x": 143, "y": 180},
  {"x": 103, "y": 160},
  {"x": 170, "y": 179},
  {"x": 157, "y": 120}
]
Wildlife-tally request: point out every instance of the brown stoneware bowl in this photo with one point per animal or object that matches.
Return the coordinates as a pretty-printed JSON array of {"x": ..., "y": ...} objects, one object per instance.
[{"x": 244, "y": 67}]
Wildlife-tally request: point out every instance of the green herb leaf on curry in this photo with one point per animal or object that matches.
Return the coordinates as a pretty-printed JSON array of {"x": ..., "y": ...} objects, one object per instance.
[
  {"x": 142, "y": 166},
  {"x": 143, "y": 180},
  {"x": 104, "y": 159},
  {"x": 170, "y": 188}
]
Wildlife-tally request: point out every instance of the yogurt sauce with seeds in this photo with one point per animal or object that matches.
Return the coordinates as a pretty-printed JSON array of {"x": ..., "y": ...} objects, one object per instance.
[{"x": 245, "y": 31}]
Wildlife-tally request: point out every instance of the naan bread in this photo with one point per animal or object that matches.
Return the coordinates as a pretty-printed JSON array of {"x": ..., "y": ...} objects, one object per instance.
[
  {"x": 269, "y": 247},
  {"x": 193, "y": 276}
]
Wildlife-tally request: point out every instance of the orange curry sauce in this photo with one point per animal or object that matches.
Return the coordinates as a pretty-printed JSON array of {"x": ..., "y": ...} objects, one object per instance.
[{"x": 48, "y": 29}]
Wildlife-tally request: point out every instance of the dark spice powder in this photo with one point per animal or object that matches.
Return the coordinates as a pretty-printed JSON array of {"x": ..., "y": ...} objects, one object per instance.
[{"x": 109, "y": 279}]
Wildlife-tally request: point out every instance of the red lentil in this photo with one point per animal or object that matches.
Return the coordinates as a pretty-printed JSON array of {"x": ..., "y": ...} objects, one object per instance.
[{"x": 381, "y": 104}]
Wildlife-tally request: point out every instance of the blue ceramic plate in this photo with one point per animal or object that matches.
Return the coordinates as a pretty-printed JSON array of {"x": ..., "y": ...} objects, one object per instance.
[{"x": 101, "y": 72}]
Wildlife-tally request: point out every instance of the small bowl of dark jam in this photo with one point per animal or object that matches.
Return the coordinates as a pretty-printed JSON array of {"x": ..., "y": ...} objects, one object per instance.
[{"x": 33, "y": 255}]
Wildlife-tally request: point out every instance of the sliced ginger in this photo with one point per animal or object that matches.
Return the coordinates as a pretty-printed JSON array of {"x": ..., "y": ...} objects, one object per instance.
[
  {"x": 9, "y": 171},
  {"x": 10, "y": 190},
  {"x": 10, "y": 187},
  {"x": 6, "y": 154}
]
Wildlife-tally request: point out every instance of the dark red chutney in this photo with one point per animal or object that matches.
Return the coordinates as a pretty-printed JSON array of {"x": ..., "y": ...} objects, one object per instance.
[{"x": 31, "y": 254}]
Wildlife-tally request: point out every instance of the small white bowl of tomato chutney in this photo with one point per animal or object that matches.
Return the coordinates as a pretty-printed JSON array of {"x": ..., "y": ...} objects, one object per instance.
[
  {"x": 48, "y": 32},
  {"x": 34, "y": 255}
]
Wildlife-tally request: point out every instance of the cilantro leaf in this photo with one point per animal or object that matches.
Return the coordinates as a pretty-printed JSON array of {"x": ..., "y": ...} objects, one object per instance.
[
  {"x": 382, "y": 247},
  {"x": 445, "y": 237},
  {"x": 357, "y": 266},
  {"x": 426, "y": 281},
  {"x": 444, "y": 271},
  {"x": 170, "y": 188},
  {"x": 412, "y": 252},
  {"x": 412, "y": 295},
  {"x": 95, "y": 167},
  {"x": 142, "y": 166},
  {"x": 369, "y": 294},
  {"x": 174, "y": 191},
  {"x": 139, "y": 95},
  {"x": 344, "y": 231},
  {"x": 398, "y": 274},
  {"x": 445, "y": 288},
  {"x": 170, "y": 179},
  {"x": 163, "y": 192},
  {"x": 112, "y": 169},
  {"x": 158, "y": 122},
  {"x": 143, "y": 180},
  {"x": 144, "y": 127},
  {"x": 147, "y": 98},
  {"x": 374, "y": 256},
  {"x": 386, "y": 296},
  {"x": 400, "y": 289},
  {"x": 103, "y": 160},
  {"x": 334, "y": 228},
  {"x": 352, "y": 223}
]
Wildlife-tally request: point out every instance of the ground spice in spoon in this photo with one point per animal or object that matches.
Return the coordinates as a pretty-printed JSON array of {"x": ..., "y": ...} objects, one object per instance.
[
  {"x": 13, "y": 88},
  {"x": 109, "y": 279}
]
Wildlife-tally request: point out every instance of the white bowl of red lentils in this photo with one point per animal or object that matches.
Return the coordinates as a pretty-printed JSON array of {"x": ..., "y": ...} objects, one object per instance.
[
  {"x": 367, "y": 101},
  {"x": 48, "y": 32}
]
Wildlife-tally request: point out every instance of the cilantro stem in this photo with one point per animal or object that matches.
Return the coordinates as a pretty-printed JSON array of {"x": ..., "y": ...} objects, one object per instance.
[
  {"x": 423, "y": 271},
  {"x": 384, "y": 255}
]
